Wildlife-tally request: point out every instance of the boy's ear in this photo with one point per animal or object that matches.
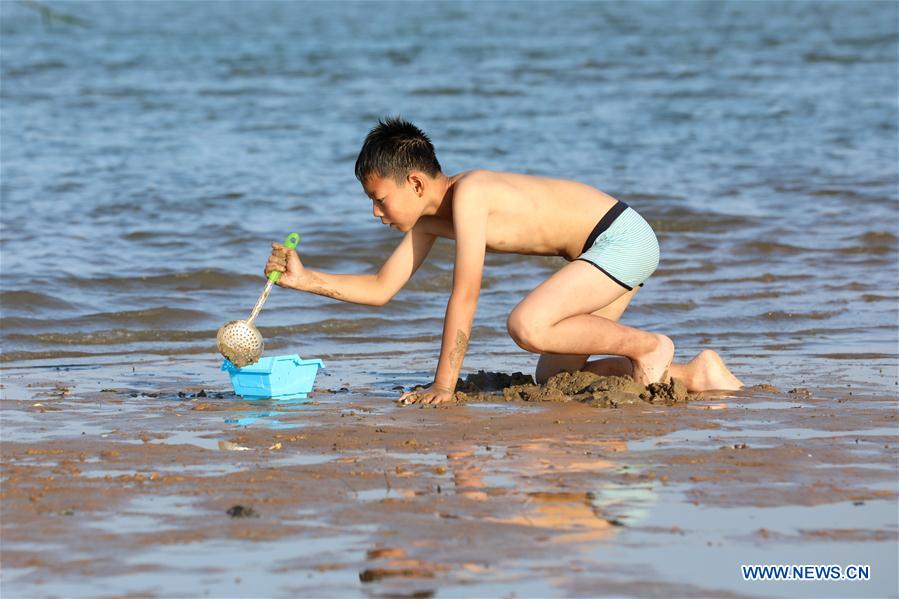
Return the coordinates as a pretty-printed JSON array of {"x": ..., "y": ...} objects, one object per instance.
[{"x": 417, "y": 182}]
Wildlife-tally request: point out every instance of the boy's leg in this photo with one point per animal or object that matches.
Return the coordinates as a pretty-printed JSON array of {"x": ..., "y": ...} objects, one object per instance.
[
  {"x": 705, "y": 372},
  {"x": 550, "y": 364},
  {"x": 557, "y": 317}
]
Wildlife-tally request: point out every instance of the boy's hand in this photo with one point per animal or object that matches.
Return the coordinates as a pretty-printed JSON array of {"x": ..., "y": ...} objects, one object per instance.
[
  {"x": 287, "y": 262},
  {"x": 432, "y": 395}
]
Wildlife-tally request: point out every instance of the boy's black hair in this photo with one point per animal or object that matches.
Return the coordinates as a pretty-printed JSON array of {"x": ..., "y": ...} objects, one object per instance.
[{"x": 394, "y": 148}]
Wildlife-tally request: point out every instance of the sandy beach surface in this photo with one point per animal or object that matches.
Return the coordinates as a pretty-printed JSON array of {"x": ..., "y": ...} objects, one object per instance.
[{"x": 150, "y": 488}]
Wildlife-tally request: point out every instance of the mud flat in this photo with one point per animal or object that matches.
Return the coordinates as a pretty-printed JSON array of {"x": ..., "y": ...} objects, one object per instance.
[{"x": 580, "y": 487}]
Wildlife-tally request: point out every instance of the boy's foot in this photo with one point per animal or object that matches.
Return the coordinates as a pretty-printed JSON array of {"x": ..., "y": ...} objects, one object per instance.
[
  {"x": 653, "y": 367},
  {"x": 711, "y": 374}
]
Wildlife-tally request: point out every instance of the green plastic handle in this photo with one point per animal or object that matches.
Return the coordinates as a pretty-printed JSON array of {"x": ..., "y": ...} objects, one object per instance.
[{"x": 291, "y": 241}]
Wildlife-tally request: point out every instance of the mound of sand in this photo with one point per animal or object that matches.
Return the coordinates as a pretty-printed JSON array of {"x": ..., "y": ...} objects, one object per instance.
[{"x": 583, "y": 387}]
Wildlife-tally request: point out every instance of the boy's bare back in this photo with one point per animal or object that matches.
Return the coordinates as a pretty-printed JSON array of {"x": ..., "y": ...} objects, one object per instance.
[{"x": 525, "y": 214}]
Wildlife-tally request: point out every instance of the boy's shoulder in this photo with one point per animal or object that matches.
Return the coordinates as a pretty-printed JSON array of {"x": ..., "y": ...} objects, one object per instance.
[
  {"x": 476, "y": 177},
  {"x": 480, "y": 179},
  {"x": 482, "y": 176},
  {"x": 472, "y": 188}
]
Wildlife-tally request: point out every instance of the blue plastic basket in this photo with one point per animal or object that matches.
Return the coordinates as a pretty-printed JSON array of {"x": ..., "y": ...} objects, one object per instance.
[{"x": 275, "y": 377}]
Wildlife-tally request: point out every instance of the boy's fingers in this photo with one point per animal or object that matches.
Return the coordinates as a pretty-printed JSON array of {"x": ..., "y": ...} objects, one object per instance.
[
  {"x": 279, "y": 250},
  {"x": 279, "y": 265},
  {"x": 437, "y": 399},
  {"x": 408, "y": 397}
]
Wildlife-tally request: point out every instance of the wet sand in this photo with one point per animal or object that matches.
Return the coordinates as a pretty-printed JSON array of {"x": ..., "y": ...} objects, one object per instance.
[{"x": 161, "y": 489}]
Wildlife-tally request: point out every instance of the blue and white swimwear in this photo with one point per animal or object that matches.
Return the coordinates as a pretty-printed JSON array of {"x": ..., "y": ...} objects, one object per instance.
[{"x": 623, "y": 246}]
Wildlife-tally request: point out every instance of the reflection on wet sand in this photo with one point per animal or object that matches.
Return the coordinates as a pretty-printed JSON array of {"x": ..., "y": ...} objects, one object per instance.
[
  {"x": 392, "y": 562},
  {"x": 521, "y": 483},
  {"x": 572, "y": 512},
  {"x": 566, "y": 516}
]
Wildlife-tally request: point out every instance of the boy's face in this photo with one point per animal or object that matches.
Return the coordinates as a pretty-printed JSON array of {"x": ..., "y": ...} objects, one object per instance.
[{"x": 395, "y": 204}]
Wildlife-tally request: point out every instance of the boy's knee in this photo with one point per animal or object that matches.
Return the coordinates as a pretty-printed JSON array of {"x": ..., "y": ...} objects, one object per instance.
[{"x": 525, "y": 331}]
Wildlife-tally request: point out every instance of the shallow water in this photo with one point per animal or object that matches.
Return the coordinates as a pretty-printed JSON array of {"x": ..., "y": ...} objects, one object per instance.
[{"x": 149, "y": 159}]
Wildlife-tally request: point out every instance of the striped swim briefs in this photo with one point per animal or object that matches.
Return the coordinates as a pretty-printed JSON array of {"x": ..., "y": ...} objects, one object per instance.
[{"x": 623, "y": 246}]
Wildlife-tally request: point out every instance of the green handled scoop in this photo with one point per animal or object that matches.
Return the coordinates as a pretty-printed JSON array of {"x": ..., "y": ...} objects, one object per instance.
[{"x": 239, "y": 340}]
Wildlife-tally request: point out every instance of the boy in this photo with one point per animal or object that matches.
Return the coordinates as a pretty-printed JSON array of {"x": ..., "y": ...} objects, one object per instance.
[{"x": 611, "y": 250}]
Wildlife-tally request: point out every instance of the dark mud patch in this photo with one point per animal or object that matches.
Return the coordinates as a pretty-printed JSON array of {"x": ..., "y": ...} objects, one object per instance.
[
  {"x": 239, "y": 511},
  {"x": 582, "y": 387}
]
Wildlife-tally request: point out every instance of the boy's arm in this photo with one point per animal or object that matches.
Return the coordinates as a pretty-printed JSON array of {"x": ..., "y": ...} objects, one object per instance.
[
  {"x": 470, "y": 218},
  {"x": 371, "y": 289}
]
